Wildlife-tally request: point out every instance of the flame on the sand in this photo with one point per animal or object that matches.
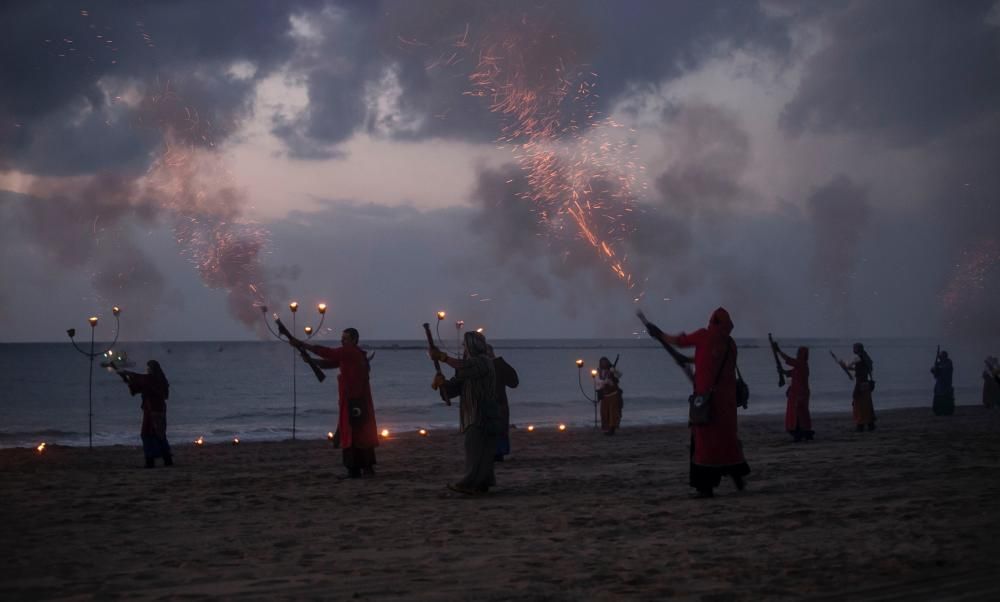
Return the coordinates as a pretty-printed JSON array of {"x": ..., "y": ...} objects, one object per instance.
[
  {"x": 562, "y": 427},
  {"x": 329, "y": 435},
  {"x": 423, "y": 432},
  {"x": 385, "y": 433},
  {"x": 236, "y": 440},
  {"x": 199, "y": 441},
  {"x": 41, "y": 447},
  {"x": 531, "y": 428}
]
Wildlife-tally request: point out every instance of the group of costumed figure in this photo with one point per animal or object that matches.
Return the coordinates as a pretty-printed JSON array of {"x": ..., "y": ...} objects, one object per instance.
[{"x": 481, "y": 379}]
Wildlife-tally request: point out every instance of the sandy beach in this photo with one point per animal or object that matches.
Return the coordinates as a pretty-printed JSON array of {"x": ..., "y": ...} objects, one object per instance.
[{"x": 911, "y": 511}]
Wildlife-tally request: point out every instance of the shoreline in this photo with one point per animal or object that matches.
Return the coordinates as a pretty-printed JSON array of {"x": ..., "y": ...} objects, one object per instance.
[{"x": 910, "y": 510}]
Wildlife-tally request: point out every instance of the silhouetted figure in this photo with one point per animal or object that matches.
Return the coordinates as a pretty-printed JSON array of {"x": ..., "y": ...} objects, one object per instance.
[
  {"x": 357, "y": 432},
  {"x": 862, "y": 367},
  {"x": 715, "y": 446},
  {"x": 506, "y": 377},
  {"x": 991, "y": 383},
  {"x": 479, "y": 412},
  {"x": 609, "y": 394},
  {"x": 798, "y": 422},
  {"x": 155, "y": 390},
  {"x": 944, "y": 393}
]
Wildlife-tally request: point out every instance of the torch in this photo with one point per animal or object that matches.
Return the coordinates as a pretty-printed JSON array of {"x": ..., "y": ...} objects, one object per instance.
[
  {"x": 91, "y": 355},
  {"x": 310, "y": 333}
]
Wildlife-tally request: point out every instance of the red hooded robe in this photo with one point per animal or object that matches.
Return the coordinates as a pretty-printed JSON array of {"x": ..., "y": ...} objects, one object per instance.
[
  {"x": 352, "y": 383},
  {"x": 797, "y": 410},
  {"x": 715, "y": 443}
]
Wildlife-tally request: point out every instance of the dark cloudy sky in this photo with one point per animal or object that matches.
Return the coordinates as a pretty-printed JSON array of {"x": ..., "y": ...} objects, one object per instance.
[{"x": 819, "y": 168}]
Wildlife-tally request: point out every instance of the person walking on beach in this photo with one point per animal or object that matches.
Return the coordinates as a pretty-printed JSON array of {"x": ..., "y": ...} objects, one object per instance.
[
  {"x": 991, "y": 383},
  {"x": 716, "y": 449},
  {"x": 610, "y": 395},
  {"x": 944, "y": 393},
  {"x": 357, "y": 432},
  {"x": 479, "y": 412},
  {"x": 798, "y": 422},
  {"x": 862, "y": 368},
  {"x": 155, "y": 390},
  {"x": 506, "y": 377}
]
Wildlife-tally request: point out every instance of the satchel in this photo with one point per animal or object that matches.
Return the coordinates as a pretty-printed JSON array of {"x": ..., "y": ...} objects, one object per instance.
[
  {"x": 699, "y": 406},
  {"x": 356, "y": 411}
]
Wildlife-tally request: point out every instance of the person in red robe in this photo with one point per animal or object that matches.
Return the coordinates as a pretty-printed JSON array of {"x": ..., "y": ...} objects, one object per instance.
[
  {"x": 716, "y": 449},
  {"x": 798, "y": 422},
  {"x": 155, "y": 389},
  {"x": 357, "y": 433}
]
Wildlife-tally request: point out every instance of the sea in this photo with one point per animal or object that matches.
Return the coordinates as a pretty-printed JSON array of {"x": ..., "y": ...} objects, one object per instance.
[{"x": 220, "y": 390}]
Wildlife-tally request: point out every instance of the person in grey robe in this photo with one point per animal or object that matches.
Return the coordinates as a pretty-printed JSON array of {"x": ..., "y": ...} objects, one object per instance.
[{"x": 479, "y": 411}]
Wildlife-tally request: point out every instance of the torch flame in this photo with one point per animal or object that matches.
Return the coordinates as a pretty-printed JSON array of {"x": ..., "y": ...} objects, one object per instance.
[
  {"x": 321, "y": 308},
  {"x": 41, "y": 447}
]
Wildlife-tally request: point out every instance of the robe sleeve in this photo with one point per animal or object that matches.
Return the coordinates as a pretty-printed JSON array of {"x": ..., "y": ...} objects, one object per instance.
[
  {"x": 332, "y": 356},
  {"x": 690, "y": 340},
  {"x": 472, "y": 369},
  {"x": 507, "y": 375},
  {"x": 451, "y": 388}
]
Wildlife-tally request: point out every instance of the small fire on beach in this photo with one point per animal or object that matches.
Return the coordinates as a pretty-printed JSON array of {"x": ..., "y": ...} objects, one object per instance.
[
  {"x": 423, "y": 432},
  {"x": 41, "y": 447},
  {"x": 199, "y": 441},
  {"x": 385, "y": 433}
]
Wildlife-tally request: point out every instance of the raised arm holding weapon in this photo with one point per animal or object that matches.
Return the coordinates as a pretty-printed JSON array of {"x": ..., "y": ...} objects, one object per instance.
[
  {"x": 777, "y": 362},
  {"x": 302, "y": 347}
]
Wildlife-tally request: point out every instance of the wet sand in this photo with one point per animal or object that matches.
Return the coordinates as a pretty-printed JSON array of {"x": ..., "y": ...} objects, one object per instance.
[{"x": 910, "y": 511}]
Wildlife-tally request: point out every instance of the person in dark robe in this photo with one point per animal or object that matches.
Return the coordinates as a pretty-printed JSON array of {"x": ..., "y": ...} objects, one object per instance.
[
  {"x": 357, "y": 432},
  {"x": 798, "y": 422},
  {"x": 991, "y": 383},
  {"x": 609, "y": 394},
  {"x": 861, "y": 400},
  {"x": 479, "y": 412},
  {"x": 506, "y": 377},
  {"x": 944, "y": 392},
  {"x": 155, "y": 390},
  {"x": 716, "y": 449}
]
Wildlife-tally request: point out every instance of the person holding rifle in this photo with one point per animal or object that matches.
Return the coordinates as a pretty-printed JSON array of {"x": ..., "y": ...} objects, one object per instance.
[
  {"x": 944, "y": 393},
  {"x": 475, "y": 382},
  {"x": 609, "y": 394},
  {"x": 716, "y": 449},
  {"x": 357, "y": 433},
  {"x": 862, "y": 369},
  {"x": 155, "y": 390},
  {"x": 798, "y": 422}
]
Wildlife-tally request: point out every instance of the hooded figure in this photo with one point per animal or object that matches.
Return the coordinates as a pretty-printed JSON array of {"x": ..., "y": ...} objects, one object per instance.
[
  {"x": 715, "y": 446},
  {"x": 944, "y": 392},
  {"x": 609, "y": 393},
  {"x": 155, "y": 390},
  {"x": 479, "y": 411},
  {"x": 798, "y": 422},
  {"x": 861, "y": 399}
]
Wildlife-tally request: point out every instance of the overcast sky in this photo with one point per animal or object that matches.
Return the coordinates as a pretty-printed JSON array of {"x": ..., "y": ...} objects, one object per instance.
[{"x": 535, "y": 168}]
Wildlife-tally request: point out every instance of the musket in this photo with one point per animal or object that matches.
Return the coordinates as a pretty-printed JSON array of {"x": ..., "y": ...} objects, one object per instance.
[
  {"x": 320, "y": 376},
  {"x": 777, "y": 362},
  {"x": 679, "y": 358},
  {"x": 841, "y": 364},
  {"x": 437, "y": 364}
]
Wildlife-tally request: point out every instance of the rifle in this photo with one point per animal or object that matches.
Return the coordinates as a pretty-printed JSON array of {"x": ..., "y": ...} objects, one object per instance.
[
  {"x": 437, "y": 364},
  {"x": 679, "y": 358},
  {"x": 841, "y": 364},
  {"x": 320, "y": 376},
  {"x": 777, "y": 362}
]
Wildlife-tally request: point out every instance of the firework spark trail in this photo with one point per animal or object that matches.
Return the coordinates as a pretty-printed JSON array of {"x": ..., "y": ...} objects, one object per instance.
[
  {"x": 971, "y": 275},
  {"x": 190, "y": 181},
  {"x": 578, "y": 171}
]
